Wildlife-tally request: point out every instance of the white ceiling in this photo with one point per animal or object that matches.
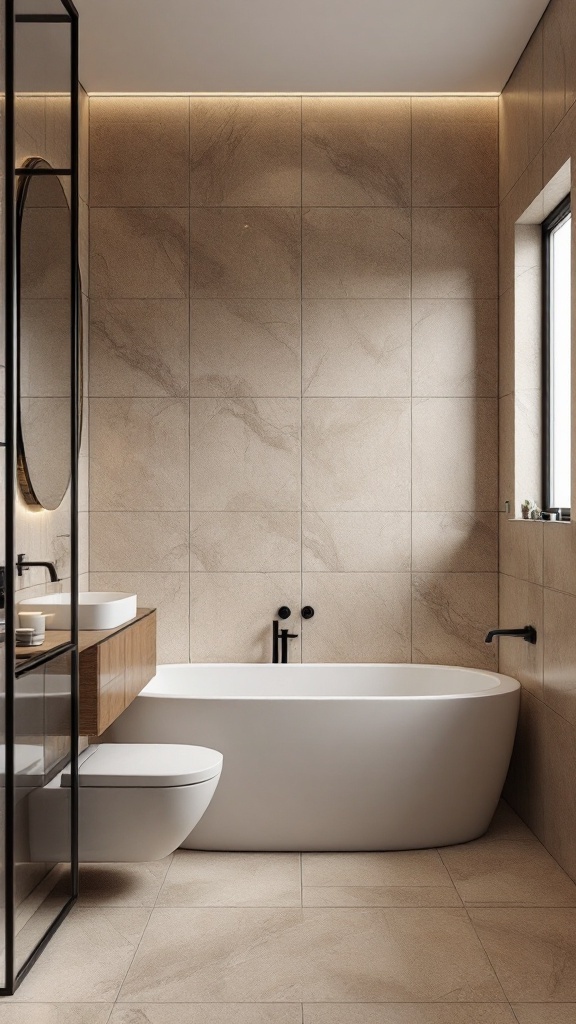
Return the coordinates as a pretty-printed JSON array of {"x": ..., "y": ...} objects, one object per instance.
[{"x": 302, "y": 45}]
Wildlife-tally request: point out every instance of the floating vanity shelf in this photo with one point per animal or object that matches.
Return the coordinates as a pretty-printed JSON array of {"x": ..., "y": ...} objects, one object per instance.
[{"x": 115, "y": 665}]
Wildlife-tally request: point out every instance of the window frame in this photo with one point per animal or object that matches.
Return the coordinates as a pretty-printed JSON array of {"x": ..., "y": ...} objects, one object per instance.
[{"x": 552, "y": 221}]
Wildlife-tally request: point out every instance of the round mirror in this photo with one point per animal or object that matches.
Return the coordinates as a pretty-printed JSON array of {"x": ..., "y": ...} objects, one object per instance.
[{"x": 44, "y": 337}]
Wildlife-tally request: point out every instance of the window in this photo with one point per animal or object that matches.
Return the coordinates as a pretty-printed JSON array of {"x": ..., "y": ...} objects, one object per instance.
[{"x": 557, "y": 349}]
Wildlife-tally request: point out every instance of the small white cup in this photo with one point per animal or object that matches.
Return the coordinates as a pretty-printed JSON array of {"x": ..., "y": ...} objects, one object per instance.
[{"x": 33, "y": 620}]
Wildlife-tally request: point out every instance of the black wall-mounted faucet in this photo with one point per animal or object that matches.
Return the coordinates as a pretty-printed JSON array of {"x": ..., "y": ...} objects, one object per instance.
[
  {"x": 21, "y": 565},
  {"x": 528, "y": 633},
  {"x": 282, "y": 635}
]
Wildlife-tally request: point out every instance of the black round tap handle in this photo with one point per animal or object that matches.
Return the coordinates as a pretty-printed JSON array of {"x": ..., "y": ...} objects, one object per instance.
[
  {"x": 307, "y": 611},
  {"x": 284, "y": 612}
]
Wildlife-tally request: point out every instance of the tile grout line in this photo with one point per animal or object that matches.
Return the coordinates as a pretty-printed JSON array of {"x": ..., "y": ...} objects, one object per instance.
[{"x": 496, "y": 975}]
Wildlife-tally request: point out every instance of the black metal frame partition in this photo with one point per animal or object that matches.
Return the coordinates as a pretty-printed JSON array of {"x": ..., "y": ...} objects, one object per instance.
[{"x": 14, "y": 975}]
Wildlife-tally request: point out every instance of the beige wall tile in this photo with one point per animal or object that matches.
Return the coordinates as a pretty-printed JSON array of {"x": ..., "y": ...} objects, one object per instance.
[
  {"x": 465, "y": 432},
  {"x": 454, "y": 347},
  {"x": 525, "y": 787},
  {"x": 560, "y": 653},
  {"x": 454, "y": 253},
  {"x": 355, "y": 151},
  {"x": 356, "y": 347},
  {"x": 526, "y": 189},
  {"x": 139, "y": 541},
  {"x": 507, "y": 489},
  {"x": 506, "y": 352},
  {"x": 451, "y": 614},
  {"x": 138, "y": 253},
  {"x": 359, "y": 617},
  {"x": 356, "y": 253},
  {"x": 455, "y": 151},
  {"x": 313, "y": 955},
  {"x": 559, "y": 53},
  {"x": 356, "y": 454},
  {"x": 168, "y": 592},
  {"x": 560, "y": 146},
  {"x": 245, "y": 253},
  {"x": 245, "y": 542},
  {"x": 243, "y": 347},
  {"x": 139, "y": 347},
  {"x": 139, "y": 151},
  {"x": 231, "y": 615},
  {"x": 560, "y": 557},
  {"x": 356, "y": 541},
  {"x": 129, "y": 438},
  {"x": 244, "y": 151},
  {"x": 84, "y": 144},
  {"x": 521, "y": 115},
  {"x": 521, "y": 548},
  {"x": 521, "y": 604},
  {"x": 559, "y": 772},
  {"x": 246, "y": 454},
  {"x": 455, "y": 541}
]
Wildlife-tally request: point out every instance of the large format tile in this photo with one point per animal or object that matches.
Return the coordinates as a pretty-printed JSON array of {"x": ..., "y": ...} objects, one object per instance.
[
  {"x": 121, "y": 885},
  {"x": 559, "y": 54},
  {"x": 243, "y": 347},
  {"x": 245, "y": 454},
  {"x": 251, "y": 253},
  {"x": 559, "y": 568},
  {"x": 455, "y": 541},
  {"x": 87, "y": 958},
  {"x": 139, "y": 347},
  {"x": 168, "y": 592},
  {"x": 454, "y": 454},
  {"x": 533, "y": 951},
  {"x": 127, "y": 438},
  {"x": 138, "y": 253},
  {"x": 559, "y": 772},
  {"x": 231, "y": 615},
  {"x": 205, "y": 1013},
  {"x": 560, "y": 653},
  {"x": 310, "y": 955},
  {"x": 356, "y": 454},
  {"x": 545, "y": 1013},
  {"x": 356, "y": 253},
  {"x": 360, "y": 617},
  {"x": 139, "y": 151},
  {"x": 356, "y": 347},
  {"x": 355, "y": 151},
  {"x": 520, "y": 127},
  {"x": 408, "y": 1013},
  {"x": 521, "y": 548},
  {"x": 454, "y": 348},
  {"x": 356, "y": 541},
  {"x": 380, "y": 896},
  {"x": 139, "y": 541},
  {"x": 525, "y": 786},
  {"x": 410, "y": 867},
  {"x": 232, "y": 880},
  {"x": 455, "y": 253},
  {"x": 244, "y": 151},
  {"x": 521, "y": 602},
  {"x": 508, "y": 872},
  {"x": 54, "y": 1013},
  {"x": 245, "y": 542},
  {"x": 451, "y": 614},
  {"x": 455, "y": 151}
]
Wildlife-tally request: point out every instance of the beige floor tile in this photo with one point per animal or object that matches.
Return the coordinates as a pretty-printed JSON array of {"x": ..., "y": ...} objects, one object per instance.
[
  {"x": 545, "y": 1013},
  {"x": 411, "y": 867},
  {"x": 508, "y": 872},
  {"x": 87, "y": 959},
  {"x": 207, "y": 1013},
  {"x": 380, "y": 896},
  {"x": 409, "y": 1013},
  {"x": 533, "y": 951},
  {"x": 232, "y": 880},
  {"x": 55, "y": 1013},
  {"x": 122, "y": 885},
  {"x": 310, "y": 955}
]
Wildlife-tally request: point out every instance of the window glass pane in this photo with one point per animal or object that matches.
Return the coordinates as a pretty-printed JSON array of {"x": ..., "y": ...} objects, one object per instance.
[{"x": 560, "y": 335}]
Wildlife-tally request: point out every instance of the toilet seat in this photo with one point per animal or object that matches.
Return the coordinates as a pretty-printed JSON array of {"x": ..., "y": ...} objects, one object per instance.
[{"x": 146, "y": 765}]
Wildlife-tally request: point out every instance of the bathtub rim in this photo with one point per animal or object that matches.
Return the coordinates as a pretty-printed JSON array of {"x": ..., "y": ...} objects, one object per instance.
[{"x": 505, "y": 684}]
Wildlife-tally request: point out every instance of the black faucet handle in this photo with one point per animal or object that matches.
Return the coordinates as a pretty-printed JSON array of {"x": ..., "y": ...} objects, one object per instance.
[
  {"x": 284, "y": 612},
  {"x": 307, "y": 611}
]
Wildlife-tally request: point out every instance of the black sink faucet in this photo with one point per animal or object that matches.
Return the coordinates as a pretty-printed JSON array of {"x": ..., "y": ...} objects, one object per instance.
[
  {"x": 528, "y": 633},
  {"x": 282, "y": 635},
  {"x": 21, "y": 565}
]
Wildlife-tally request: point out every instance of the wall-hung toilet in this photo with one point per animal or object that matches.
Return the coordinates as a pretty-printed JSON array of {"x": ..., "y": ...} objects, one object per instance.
[{"x": 137, "y": 802}]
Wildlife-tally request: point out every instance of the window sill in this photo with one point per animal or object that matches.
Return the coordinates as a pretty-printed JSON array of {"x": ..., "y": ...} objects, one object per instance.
[{"x": 546, "y": 522}]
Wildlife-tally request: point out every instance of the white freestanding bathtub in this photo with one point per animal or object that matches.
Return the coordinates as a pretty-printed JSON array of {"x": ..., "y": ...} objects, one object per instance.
[{"x": 336, "y": 757}]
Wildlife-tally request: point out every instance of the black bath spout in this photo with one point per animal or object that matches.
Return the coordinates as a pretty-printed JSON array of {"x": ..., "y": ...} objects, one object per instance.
[
  {"x": 21, "y": 565},
  {"x": 283, "y": 636},
  {"x": 528, "y": 633}
]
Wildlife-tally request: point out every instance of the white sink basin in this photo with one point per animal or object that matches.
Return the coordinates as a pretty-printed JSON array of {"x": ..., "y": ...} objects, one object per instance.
[{"x": 98, "y": 610}]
